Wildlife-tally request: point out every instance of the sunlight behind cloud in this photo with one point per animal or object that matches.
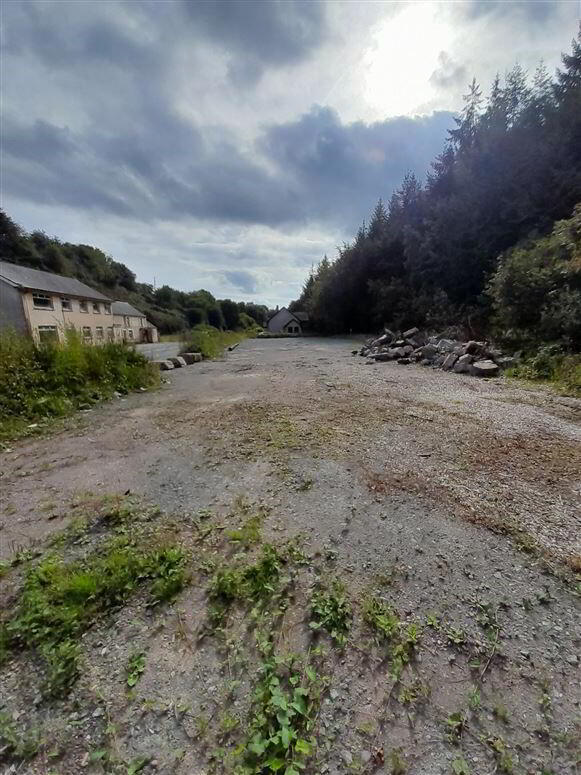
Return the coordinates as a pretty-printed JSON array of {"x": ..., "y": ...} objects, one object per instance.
[{"x": 402, "y": 58}]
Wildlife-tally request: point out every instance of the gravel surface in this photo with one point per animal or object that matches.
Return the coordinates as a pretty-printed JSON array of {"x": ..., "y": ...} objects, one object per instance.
[{"x": 439, "y": 492}]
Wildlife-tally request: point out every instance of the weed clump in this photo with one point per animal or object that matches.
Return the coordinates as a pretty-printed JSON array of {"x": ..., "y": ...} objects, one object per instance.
[
  {"x": 255, "y": 583},
  {"x": 331, "y": 610},
  {"x": 60, "y": 601},
  {"x": 401, "y": 639}
]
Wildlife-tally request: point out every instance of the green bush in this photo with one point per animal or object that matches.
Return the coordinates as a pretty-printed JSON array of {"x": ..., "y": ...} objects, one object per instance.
[
  {"x": 536, "y": 290},
  {"x": 552, "y": 365},
  {"x": 53, "y": 379}
]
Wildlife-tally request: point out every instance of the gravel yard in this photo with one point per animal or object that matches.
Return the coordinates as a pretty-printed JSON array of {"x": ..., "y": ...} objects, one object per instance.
[{"x": 452, "y": 501}]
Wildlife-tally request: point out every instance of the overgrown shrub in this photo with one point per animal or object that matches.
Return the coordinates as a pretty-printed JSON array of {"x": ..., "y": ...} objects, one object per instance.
[
  {"x": 536, "y": 290},
  {"x": 551, "y": 364},
  {"x": 52, "y": 379}
]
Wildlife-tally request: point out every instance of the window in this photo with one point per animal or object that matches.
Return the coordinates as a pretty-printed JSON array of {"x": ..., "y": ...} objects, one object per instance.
[
  {"x": 125, "y": 320},
  {"x": 84, "y": 306},
  {"x": 96, "y": 308},
  {"x": 107, "y": 308},
  {"x": 87, "y": 333},
  {"x": 110, "y": 334},
  {"x": 67, "y": 304},
  {"x": 130, "y": 333},
  {"x": 99, "y": 332},
  {"x": 42, "y": 301},
  {"x": 48, "y": 333}
]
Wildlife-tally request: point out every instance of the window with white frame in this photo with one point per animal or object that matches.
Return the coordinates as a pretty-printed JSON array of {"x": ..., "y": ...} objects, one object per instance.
[
  {"x": 96, "y": 308},
  {"x": 110, "y": 333},
  {"x": 66, "y": 304},
  {"x": 99, "y": 333},
  {"x": 42, "y": 301},
  {"x": 87, "y": 333},
  {"x": 107, "y": 308},
  {"x": 47, "y": 333},
  {"x": 130, "y": 333},
  {"x": 83, "y": 306}
]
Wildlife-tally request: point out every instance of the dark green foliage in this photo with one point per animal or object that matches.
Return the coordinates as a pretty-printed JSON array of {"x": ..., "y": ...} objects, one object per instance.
[
  {"x": 52, "y": 379},
  {"x": 512, "y": 167},
  {"x": 536, "y": 290}
]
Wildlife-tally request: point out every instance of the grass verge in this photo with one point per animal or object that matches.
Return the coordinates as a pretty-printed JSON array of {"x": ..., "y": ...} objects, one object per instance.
[{"x": 41, "y": 382}]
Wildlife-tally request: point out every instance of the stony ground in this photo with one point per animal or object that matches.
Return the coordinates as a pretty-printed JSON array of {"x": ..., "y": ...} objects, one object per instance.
[{"x": 427, "y": 524}]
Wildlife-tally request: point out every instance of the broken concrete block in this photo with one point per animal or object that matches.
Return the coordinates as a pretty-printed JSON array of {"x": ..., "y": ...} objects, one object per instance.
[
  {"x": 410, "y": 332},
  {"x": 506, "y": 362},
  {"x": 190, "y": 358},
  {"x": 484, "y": 369},
  {"x": 462, "y": 365},
  {"x": 163, "y": 365},
  {"x": 449, "y": 361},
  {"x": 178, "y": 362}
]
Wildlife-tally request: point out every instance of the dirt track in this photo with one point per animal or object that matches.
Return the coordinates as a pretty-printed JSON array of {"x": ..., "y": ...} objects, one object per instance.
[
  {"x": 463, "y": 489},
  {"x": 381, "y": 436}
]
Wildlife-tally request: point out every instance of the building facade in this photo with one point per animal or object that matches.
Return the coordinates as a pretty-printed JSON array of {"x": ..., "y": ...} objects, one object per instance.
[
  {"x": 285, "y": 322},
  {"x": 131, "y": 325},
  {"x": 46, "y": 306}
]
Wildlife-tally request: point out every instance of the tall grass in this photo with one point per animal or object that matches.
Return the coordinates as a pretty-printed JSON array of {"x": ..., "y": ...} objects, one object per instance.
[
  {"x": 549, "y": 364},
  {"x": 210, "y": 341},
  {"x": 49, "y": 380}
]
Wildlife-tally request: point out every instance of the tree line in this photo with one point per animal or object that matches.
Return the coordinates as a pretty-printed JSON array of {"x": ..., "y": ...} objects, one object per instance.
[
  {"x": 168, "y": 309},
  {"x": 479, "y": 242}
]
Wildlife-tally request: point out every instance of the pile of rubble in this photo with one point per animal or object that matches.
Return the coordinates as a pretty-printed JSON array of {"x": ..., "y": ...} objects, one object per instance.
[{"x": 476, "y": 358}]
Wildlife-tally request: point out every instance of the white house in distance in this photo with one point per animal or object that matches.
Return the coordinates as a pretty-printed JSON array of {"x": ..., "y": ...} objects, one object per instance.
[
  {"x": 285, "y": 322},
  {"x": 45, "y": 305}
]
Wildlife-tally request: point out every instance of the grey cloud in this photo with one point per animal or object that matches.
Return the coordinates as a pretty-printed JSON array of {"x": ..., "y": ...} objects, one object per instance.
[
  {"x": 449, "y": 74},
  {"x": 257, "y": 33},
  {"x": 536, "y": 11},
  {"x": 242, "y": 280},
  {"x": 64, "y": 35},
  {"x": 341, "y": 169},
  {"x": 319, "y": 167}
]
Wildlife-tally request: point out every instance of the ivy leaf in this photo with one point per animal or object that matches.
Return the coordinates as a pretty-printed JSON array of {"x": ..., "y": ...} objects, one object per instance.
[
  {"x": 303, "y": 746},
  {"x": 274, "y": 764},
  {"x": 460, "y": 767},
  {"x": 291, "y": 771},
  {"x": 257, "y": 746},
  {"x": 311, "y": 674},
  {"x": 285, "y": 736}
]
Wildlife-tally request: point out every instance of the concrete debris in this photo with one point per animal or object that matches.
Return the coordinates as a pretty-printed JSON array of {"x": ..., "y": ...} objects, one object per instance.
[
  {"x": 163, "y": 365},
  {"x": 178, "y": 362},
  {"x": 478, "y": 359},
  {"x": 190, "y": 358}
]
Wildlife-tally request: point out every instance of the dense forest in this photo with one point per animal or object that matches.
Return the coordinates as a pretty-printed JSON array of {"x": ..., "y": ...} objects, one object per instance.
[
  {"x": 491, "y": 241},
  {"x": 170, "y": 310}
]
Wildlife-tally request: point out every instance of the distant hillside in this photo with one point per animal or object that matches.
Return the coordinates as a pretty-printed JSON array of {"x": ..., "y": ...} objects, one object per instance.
[{"x": 170, "y": 310}]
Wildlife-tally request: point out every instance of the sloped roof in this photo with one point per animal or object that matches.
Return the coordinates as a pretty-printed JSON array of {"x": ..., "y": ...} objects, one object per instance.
[
  {"x": 35, "y": 280},
  {"x": 278, "y": 311},
  {"x": 124, "y": 308}
]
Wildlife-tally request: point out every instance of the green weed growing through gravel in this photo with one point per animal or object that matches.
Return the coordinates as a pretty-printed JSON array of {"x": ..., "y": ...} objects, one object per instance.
[
  {"x": 331, "y": 610},
  {"x": 60, "y": 601}
]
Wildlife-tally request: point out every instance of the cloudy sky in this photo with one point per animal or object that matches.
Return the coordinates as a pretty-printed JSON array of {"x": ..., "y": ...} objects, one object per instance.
[{"x": 229, "y": 144}]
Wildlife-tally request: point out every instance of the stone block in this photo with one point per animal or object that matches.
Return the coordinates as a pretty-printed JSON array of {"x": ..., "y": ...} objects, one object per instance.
[
  {"x": 178, "y": 362},
  {"x": 484, "y": 369}
]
